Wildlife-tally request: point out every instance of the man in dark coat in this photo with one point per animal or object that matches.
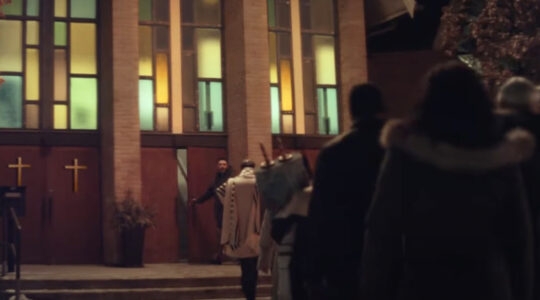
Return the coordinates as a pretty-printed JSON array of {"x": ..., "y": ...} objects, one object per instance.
[
  {"x": 518, "y": 101},
  {"x": 222, "y": 175},
  {"x": 331, "y": 239}
]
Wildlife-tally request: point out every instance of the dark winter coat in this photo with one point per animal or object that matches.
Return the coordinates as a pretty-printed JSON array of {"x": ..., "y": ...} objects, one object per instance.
[
  {"x": 448, "y": 222},
  {"x": 345, "y": 176},
  {"x": 531, "y": 177},
  {"x": 210, "y": 193}
]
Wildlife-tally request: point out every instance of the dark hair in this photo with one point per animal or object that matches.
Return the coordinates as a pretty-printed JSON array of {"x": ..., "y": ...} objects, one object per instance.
[
  {"x": 516, "y": 94},
  {"x": 365, "y": 100},
  {"x": 247, "y": 163},
  {"x": 457, "y": 108},
  {"x": 222, "y": 158}
]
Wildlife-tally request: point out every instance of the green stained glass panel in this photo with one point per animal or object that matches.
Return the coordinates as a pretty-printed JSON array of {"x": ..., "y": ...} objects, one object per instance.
[
  {"x": 11, "y": 102},
  {"x": 325, "y": 60},
  {"x": 274, "y": 107},
  {"x": 60, "y": 33},
  {"x": 11, "y": 46},
  {"x": 210, "y": 106},
  {"x": 209, "y": 53},
  {"x": 145, "y": 10},
  {"x": 83, "y": 100},
  {"x": 83, "y": 9},
  {"x": 32, "y": 8},
  {"x": 146, "y": 104},
  {"x": 15, "y": 8},
  {"x": 32, "y": 33},
  {"x": 328, "y": 111},
  {"x": 271, "y": 13}
]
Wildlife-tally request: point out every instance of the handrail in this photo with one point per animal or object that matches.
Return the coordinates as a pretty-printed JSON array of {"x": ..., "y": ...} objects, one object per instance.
[{"x": 15, "y": 219}]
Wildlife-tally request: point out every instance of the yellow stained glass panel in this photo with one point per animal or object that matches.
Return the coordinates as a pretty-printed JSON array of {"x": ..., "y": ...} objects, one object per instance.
[
  {"x": 83, "y": 48},
  {"x": 273, "y": 57},
  {"x": 286, "y": 85},
  {"x": 32, "y": 74},
  {"x": 60, "y": 8},
  {"x": 60, "y": 75},
  {"x": 145, "y": 51},
  {"x": 162, "y": 78},
  {"x": 209, "y": 53},
  {"x": 60, "y": 116},
  {"x": 32, "y": 33},
  {"x": 325, "y": 60},
  {"x": 11, "y": 46}
]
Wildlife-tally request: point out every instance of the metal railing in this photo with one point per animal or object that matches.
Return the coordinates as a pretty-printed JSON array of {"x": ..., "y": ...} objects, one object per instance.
[{"x": 12, "y": 245}]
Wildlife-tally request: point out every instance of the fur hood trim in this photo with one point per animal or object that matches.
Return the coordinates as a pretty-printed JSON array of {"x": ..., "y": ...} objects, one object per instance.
[{"x": 517, "y": 146}]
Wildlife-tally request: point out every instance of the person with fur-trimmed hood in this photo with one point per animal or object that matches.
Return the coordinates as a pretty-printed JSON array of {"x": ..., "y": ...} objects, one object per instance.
[
  {"x": 449, "y": 218},
  {"x": 518, "y": 106}
]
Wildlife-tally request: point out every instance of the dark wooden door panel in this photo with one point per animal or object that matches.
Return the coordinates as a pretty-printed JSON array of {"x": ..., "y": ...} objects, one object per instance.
[{"x": 159, "y": 192}]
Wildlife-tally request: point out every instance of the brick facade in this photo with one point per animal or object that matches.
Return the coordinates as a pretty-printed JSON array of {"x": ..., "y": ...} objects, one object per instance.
[{"x": 120, "y": 129}]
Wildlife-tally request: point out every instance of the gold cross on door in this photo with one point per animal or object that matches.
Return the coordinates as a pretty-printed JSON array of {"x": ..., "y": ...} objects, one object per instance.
[
  {"x": 19, "y": 166},
  {"x": 75, "y": 167}
]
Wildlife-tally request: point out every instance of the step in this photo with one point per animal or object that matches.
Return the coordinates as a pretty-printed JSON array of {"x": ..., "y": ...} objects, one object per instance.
[{"x": 188, "y": 293}]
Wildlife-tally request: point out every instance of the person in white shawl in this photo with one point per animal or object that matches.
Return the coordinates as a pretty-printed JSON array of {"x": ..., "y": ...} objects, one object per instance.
[{"x": 241, "y": 224}]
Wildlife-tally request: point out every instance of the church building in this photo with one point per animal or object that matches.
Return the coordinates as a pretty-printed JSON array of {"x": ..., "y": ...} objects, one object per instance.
[{"x": 104, "y": 97}]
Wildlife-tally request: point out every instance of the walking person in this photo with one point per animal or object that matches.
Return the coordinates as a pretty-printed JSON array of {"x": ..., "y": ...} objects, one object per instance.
[
  {"x": 329, "y": 243},
  {"x": 242, "y": 225},
  {"x": 449, "y": 218},
  {"x": 222, "y": 175}
]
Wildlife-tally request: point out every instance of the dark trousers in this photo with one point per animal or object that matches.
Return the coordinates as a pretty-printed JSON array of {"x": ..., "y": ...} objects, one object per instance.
[{"x": 249, "y": 277}]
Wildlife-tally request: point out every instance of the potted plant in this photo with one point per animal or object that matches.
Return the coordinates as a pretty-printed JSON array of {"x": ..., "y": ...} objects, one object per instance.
[{"x": 131, "y": 219}]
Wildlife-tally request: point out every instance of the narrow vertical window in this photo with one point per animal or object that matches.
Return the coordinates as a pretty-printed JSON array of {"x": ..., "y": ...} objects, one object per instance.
[
  {"x": 202, "y": 60},
  {"x": 154, "y": 65},
  {"x": 20, "y": 65},
  {"x": 75, "y": 65},
  {"x": 319, "y": 66},
  {"x": 281, "y": 73}
]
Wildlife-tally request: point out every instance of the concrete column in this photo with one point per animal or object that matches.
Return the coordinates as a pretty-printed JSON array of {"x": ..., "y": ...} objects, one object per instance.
[
  {"x": 352, "y": 52},
  {"x": 119, "y": 114},
  {"x": 247, "y": 79}
]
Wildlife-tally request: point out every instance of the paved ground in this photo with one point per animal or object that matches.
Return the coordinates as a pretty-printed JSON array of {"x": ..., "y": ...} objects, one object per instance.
[{"x": 150, "y": 271}]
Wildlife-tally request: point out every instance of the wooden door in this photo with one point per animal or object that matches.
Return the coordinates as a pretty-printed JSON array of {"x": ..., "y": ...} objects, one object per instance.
[
  {"x": 75, "y": 218},
  {"x": 203, "y": 235}
]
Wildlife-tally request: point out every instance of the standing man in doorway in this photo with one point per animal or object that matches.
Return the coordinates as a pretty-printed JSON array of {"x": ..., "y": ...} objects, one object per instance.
[{"x": 222, "y": 175}]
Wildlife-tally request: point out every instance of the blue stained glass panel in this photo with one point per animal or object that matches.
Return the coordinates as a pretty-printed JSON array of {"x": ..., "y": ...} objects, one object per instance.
[
  {"x": 32, "y": 8},
  {"x": 332, "y": 102},
  {"x": 11, "y": 102},
  {"x": 328, "y": 110},
  {"x": 146, "y": 104}
]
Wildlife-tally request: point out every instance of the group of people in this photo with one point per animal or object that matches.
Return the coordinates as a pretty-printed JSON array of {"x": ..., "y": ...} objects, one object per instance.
[{"x": 443, "y": 204}]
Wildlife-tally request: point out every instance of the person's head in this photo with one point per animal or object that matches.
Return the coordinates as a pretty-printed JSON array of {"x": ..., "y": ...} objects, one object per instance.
[
  {"x": 222, "y": 165},
  {"x": 247, "y": 163},
  {"x": 456, "y": 107},
  {"x": 365, "y": 101},
  {"x": 516, "y": 94}
]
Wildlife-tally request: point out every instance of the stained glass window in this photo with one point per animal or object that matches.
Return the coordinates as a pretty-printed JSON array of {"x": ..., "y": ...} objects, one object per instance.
[
  {"x": 202, "y": 66},
  {"x": 154, "y": 65},
  {"x": 319, "y": 67},
  {"x": 281, "y": 72}
]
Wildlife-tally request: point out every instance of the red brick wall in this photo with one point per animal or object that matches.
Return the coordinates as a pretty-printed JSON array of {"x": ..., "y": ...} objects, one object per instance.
[{"x": 400, "y": 76}]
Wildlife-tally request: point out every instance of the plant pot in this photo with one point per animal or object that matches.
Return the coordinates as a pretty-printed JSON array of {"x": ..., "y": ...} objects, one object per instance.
[{"x": 133, "y": 246}]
